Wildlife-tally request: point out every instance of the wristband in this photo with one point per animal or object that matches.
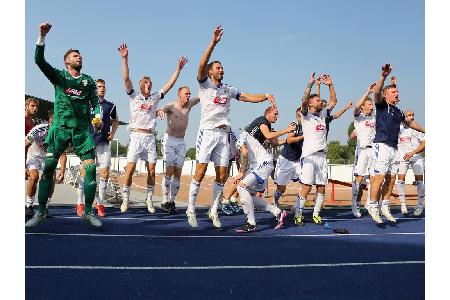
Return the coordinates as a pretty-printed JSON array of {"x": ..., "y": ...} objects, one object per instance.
[
  {"x": 267, "y": 96},
  {"x": 41, "y": 40}
]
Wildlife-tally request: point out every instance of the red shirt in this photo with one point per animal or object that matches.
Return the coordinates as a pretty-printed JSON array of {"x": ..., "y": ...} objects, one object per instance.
[{"x": 29, "y": 124}]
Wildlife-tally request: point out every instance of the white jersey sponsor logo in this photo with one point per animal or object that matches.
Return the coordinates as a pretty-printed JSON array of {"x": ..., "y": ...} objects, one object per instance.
[
  {"x": 365, "y": 130},
  {"x": 143, "y": 111},
  {"x": 314, "y": 133},
  {"x": 215, "y": 104}
]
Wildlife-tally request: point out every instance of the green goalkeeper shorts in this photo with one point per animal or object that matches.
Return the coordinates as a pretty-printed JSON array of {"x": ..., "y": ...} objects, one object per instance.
[{"x": 58, "y": 140}]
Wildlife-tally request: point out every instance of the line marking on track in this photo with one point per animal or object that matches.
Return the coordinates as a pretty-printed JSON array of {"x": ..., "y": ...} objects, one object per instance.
[
  {"x": 184, "y": 219},
  {"x": 224, "y": 236},
  {"x": 165, "y": 268}
]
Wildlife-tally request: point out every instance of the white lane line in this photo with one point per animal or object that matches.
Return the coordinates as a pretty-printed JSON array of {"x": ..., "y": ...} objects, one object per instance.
[
  {"x": 164, "y": 268},
  {"x": 223, "y": 236}
]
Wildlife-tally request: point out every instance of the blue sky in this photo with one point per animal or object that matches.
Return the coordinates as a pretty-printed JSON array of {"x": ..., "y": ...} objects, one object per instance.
[{"x": 267, "y": 47}]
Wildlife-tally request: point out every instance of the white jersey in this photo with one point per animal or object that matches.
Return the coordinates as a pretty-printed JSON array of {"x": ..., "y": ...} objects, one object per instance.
[
  {"x": 37, "y": 136},
  {"x": 365, "y": 130},
  {"x": 143, "y": 111},
  {"x": 408, "y": 140},
  {"x": 314, "y": 133},
  {"x": 256, "y": 152},
  {"x": 215, "y": 102}
]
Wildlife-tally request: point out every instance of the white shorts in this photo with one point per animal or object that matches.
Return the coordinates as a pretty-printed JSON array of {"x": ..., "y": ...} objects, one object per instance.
[
  {"x": 314, "y": 169},
  {"x": 384, "y": 159},
  {"x": 142, "y": 146},
  {"x": 174, "y": 150},
  {"x": 287, "y": 170},
  {"x": 256, "y": 177},
  {"x": 36, "y": 163},
  {"x": 417, "y": 165},
  {"x": 212, "y": 144},
  {"x": 363, "y": 159},
  {"x": 103, "y": 155}
]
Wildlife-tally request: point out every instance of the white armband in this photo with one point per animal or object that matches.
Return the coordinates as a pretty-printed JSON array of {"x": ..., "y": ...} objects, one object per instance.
[{"x": 40, "y": 40}]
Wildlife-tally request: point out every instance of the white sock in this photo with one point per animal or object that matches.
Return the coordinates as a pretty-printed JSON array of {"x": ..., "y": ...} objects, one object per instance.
[
  {"x": 401, "y": 190},
  {"x": 80, "y": 191},
  {"x": 276, "y": 196},
  {"x": 263, "y": 205},
  {"x": 355, "y": 191},
  {"x": 299, "y": 205},
  {"x": 385, "y": 203},
  {"x": 150, "y": 190},
  {"x": 174, "y": 188},
  {"x": 102, "y": 191},
  {"x": 421, "y": 193},
  {"x": 126, "y": 193},
  {"x": 217, "y": 194},
  {"x": 319, "y": 201},
  {"x": 194, "y": 187},
  {"x": 165, "y": 188},
  {"x": 247, "y": 204},
  {"x": 233, "y": 199},
  {"x": 30, "y": 201},
  {"x": 48, "y": 202}
]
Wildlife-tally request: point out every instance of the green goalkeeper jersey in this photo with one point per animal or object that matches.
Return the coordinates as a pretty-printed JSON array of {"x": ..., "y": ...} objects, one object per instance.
[{"x": 74, "y": 96}]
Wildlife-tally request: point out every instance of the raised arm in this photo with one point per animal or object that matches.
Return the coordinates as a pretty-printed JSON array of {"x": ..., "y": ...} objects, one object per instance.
[
  {"x": 194, "y": 101},
  {"x": 309, "y": 86},
  {"x": 123, "y": 49},
  {"x": 202, "y": 73},
  {"x": 414, "y": 125},
  {"x": 256, "y": 98},
  {"x": 269, "y": 135},
  {"x": 181, "y": 63},
  {"x": 385, "y": 71},
  {"x": 342, "y": 111},
  {"x": 328, "y": 81},
  {"x": 362, "y": 99},
  {"x": 49, "y": 72},
  {"x": 318, "y": 83}
]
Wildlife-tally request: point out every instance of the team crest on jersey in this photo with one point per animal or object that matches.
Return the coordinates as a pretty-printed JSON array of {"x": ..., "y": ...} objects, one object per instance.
[
  {"x": 85, "y": 82},
  {"x": 370, "y": 123},
  {"x": 145, "y": 106},
  {"x": 405, "y": 139}
]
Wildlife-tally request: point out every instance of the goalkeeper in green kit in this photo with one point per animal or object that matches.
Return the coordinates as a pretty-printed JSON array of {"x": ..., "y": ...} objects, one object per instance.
[{"x": 75, "y": 98}]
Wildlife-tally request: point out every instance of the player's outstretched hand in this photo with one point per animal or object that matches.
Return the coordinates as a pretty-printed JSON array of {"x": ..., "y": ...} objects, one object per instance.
[
  {"x": 350, "y": 104},
  {"x": 370, "y": 88},
  {"x": 393, "y": 80},
  {"x": 311, "y": 78},
  {"x": 44, "y": 28},
  {"x": 182, "y": 62},
  {"x": 326, "y": 78},
  {"x": 271, "y": 99},
  {"x": 60, "y": 177},
  {"x": 160, "y": 113},
  {"x": 217, "y": 34},
  {"x": 386, "y": 70},
  {"x": 292, "y": 127},
  {"x": 123, "y": 49},
  {"x": 408, "y": 156}
]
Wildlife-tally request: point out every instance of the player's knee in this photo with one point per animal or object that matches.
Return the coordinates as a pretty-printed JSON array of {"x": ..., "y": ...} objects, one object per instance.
[
  {"x": 281, "y": 188},
  {"x": 34, "y": 176}
]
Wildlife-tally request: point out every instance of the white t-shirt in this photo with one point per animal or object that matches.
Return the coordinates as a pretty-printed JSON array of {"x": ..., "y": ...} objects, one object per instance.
[
  {"x": 408, "y": 140},
  {"x": 256, "y": 152},
  {"x": 143, "y": 111},
  {"x": 37, "y": 136},
  {"x": 365, "y": 130},
  {"x": 215, "y": 102},
  {"x": 314, "y": 133}
]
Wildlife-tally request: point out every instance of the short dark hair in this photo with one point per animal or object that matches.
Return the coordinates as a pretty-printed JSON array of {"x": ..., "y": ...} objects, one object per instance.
[
  {"x": 210, "y": 65},
  {"x": 312, "y": 96},
  {"x": 391, "y": 86},
  {"x": 70, "y": 51},
  {"x": 100, "y": 80},
  {"x": 269, "y": 110}
]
